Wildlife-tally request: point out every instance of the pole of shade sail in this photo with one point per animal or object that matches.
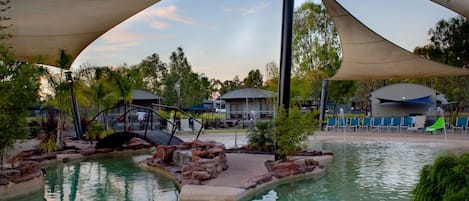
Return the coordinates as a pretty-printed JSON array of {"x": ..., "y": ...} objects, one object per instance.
[{"x": 285, "y": 58}]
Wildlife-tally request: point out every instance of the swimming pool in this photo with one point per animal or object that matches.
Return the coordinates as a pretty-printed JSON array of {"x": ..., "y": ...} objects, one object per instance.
[{"x": 362, "y": 171}]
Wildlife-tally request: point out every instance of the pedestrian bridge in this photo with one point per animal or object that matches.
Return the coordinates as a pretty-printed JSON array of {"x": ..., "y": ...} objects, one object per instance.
[{"x": 154, "y": 128}]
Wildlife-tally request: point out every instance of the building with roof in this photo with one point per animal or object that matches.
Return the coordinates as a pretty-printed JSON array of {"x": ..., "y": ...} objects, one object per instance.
[
  {"x": 249, "y": 104},
  {"x": 405, "y": 99}
]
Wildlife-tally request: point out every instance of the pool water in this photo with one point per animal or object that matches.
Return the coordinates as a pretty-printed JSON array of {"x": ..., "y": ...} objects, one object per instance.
[
  {"x": 106, "y": 178},
  {"x": 384, "y": 171}
]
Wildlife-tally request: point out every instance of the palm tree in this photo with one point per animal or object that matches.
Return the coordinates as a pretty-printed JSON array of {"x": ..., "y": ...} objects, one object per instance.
[{"x": 125, "y": 81}]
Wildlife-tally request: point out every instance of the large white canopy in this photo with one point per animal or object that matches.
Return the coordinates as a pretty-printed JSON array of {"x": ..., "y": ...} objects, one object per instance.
[
  {"x": 368, "y": 56},
  {"x": 459, "y": 6},
  {"x": 42, "y": 27}
]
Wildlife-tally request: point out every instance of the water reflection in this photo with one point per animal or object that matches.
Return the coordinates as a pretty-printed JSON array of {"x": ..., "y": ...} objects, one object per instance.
[
  {"x": 363, "y": 171},
  {"x": 110, "y": 178}
]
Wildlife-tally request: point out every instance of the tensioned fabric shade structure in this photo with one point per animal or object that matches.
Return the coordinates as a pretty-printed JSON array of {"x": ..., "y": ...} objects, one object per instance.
[
  {"x": 43, "y": 27},
  {"x": 459, "y": 6},
  {"x": 368, "y": 56}
]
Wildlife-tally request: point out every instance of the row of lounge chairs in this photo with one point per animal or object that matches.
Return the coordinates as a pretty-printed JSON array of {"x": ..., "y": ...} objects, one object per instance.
[{"x": 399, "y": 124}]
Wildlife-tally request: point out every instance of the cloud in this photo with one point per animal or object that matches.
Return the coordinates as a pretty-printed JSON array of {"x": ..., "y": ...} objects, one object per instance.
[
  {"x": 154, "y": 16},
  {"x": 249, "y": 10},
  {"x": 122, "y": 38}
]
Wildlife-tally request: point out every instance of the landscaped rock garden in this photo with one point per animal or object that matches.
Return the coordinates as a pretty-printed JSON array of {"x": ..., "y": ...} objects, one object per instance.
[
  {"x": 281, "y": 169},
  {"x": 191, "y": 162}
]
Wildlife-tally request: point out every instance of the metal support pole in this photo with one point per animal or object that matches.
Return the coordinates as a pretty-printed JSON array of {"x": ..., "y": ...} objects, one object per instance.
[
  {"x": 322, "y": 106},
  {"x": 76, "y": 116},
  {"x": 285, "y": 59}
]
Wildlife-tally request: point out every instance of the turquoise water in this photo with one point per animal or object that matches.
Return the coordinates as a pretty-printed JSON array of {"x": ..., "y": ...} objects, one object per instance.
[
  {"x": 106, "y": 178},
  {"x": 383, "y": 171}
]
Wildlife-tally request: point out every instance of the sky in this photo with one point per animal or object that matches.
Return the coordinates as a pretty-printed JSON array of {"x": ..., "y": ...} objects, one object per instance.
[{"x": 227, "y": 38}]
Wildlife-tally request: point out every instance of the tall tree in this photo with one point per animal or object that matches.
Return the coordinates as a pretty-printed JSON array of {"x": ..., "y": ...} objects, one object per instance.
[
  {"x": 272, "y": 75},
  {"x": 254, "y": 79},
  {"x": 183, "y": 87},
  {"x": 153, "y": 72},
  {"x": 19, "y": 86},
  {"x": 315, "y": 41},
  {"x": 126, "y": 80},
  {"x": 450, "y": 45},
  {"x": 229, "y": 85}
]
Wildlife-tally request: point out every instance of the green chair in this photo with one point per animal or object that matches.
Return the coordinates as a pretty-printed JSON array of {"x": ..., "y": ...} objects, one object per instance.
[{"x": 439, "y": 124}]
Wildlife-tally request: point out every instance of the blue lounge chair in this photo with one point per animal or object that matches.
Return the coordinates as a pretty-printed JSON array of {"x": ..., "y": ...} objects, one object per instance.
[
  {"x": 331, "y": 123},
  {"x": 461, "y": 123},
  {"x": 386, "y": 122},
  {"x": 366, "y": 123},
  {"x": 354, "y": 121},
  {"x": 396, "y": 123},
  {"x": 377, "y": 122},
  {"x": 406, "y": 123},
  {"x": 342, "y": 122}
]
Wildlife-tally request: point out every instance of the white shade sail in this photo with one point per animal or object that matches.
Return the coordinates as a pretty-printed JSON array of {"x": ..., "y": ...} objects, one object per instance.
[
  {"x": 368, "y": 56},
  {"x": 43, "y": 27},
  {"x": 459, "y": 6}
]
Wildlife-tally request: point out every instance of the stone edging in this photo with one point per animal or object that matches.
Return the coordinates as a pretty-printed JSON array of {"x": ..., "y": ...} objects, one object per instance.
[{"x": 208, "y": 193}]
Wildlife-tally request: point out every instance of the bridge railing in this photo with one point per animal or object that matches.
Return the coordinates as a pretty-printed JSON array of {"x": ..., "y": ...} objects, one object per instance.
[
  {"x": 142, "y": 118},
  {"x": 176, "y": 121}
]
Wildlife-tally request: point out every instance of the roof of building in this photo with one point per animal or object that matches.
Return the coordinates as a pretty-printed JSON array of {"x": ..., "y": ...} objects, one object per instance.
[
  {"x": 369, "y": 56},
  {"x": 247, "y": 93},
  {"x": 406, "y": 92},
  {"x": 43, "y": 27},
  {"x": 140, "y": 94}
]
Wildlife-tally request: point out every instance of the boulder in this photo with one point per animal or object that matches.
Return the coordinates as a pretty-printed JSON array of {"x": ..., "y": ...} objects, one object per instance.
[
  {"x": 10, "y": 173},
  {"x": 200, "y": 175},
  {"x": 104, "y": 150},
  {"x": 137, "y": 143},
  {"x": 87, "y": 152},
  {"x": 28, "y": 167},
  {"x": 311, "y": 162},
  {"x": 20, "y": 156},
  {"x": 40, "y": 158},
  {"x": 192, "y": 167},
  {"x": 283, "y": 169},
  {"x": 165, "y": 152},
  {"x": 22, "y": 178}
]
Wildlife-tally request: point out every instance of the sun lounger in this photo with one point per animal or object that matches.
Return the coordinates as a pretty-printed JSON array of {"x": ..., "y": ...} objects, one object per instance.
[
  {"x": 366, "y": 123},
  {"x": 331, "y": 123},
  {"x": 461, "y": 123},
  {"x": 354, "y": 123}
]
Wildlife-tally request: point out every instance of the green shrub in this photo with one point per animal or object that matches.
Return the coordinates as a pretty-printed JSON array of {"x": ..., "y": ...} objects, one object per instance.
[
  {"x": 96, "y": 131},
  {"x": 260, "y": 137},
  {"x": 447, "y": 179},
  {"x": 292, "y": 130}
]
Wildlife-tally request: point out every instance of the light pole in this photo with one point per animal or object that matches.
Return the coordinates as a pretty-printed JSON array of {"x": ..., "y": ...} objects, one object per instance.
[
  {"x": 178, "y": 90},
  {"x": 76, "y": 116}
]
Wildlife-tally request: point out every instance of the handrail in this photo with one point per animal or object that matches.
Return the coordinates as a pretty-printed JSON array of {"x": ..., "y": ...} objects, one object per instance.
[
  {"x": 131, "y": 108},
  {"x": 179, "y": 110}
]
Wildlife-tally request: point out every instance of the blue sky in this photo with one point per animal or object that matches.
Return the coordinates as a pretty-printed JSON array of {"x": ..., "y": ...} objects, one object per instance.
[{"x": 225, "y": 38}]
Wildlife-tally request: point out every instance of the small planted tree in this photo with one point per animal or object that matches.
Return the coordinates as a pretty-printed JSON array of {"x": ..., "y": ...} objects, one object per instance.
[
  {"x": 260, "y": 137},
  {"x": 292, "y": 130},
  {"x": 19, "y": 85},
  {"x": 447, "y": 179}
]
